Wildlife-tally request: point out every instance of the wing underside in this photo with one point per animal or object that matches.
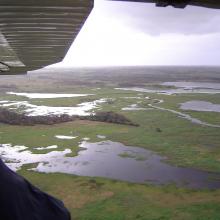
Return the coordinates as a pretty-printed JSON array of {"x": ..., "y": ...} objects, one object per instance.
[{"x": 37, "y": 33}]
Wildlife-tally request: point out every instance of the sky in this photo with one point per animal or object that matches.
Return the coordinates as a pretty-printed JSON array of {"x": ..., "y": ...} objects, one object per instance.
[{"x": 128, "y": 33}]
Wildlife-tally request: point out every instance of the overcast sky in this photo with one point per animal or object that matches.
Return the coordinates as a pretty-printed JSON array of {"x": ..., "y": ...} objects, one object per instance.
[{"x": 125, "y": 33}]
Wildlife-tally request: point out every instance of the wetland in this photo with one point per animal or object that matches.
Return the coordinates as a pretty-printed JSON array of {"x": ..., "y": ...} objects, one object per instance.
[{"x": 166, "y": 166}]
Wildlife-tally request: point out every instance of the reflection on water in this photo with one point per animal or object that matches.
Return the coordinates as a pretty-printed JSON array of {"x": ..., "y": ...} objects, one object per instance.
[
  {"x": 112, "y": 160},
  {"x": 64, "y": 137},
  {"x": 200, "y": 106},
  {"x": 16, "y": 156},
  {"x": 134, "y": 107},
  {"x": 46, "y": 148},
  {"x": 182, "y": 88},
  {"x": 101, "y": 136},
  {"x": 193, "y": 85},
  {"x": 47, "y": 95},
  {"x": 82, "y": 109}
]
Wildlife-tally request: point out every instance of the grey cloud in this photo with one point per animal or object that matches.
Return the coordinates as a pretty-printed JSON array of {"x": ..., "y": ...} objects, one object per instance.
[{"x": 152, "y": 20}]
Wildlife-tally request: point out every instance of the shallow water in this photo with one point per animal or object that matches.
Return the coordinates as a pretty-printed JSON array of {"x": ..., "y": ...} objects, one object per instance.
[
  {"x": 100, "y": 136},
  {"x": 200, "y": 106},
  {"x": 185, "y": 116},
  {"x": 193, "y": 85},
  {"x": 192, "y": 105},
  {"x": 82, "y": 109},
  {"x": 112, "y": 160},
  {"x": 16, "y": 156},
  {"x": 132, "y": 97},
  {"x": 64, "y": 137},
  {"x": 46, "y": 95},
  {"x": 134, "y": 107},
  {"x": 182, "y": 88},
  {"x": 46, "y": 148}
]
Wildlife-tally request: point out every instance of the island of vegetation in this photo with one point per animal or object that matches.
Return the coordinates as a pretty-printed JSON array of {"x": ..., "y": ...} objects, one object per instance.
[{"x": 14, "y": 118}]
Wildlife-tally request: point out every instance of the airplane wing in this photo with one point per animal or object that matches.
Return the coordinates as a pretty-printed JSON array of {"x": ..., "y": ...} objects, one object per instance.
[{"x": 37, "y": 33}]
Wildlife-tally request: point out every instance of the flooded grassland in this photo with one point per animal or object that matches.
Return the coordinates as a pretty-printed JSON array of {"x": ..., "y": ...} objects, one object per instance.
[{"x": 168, "y": 167}]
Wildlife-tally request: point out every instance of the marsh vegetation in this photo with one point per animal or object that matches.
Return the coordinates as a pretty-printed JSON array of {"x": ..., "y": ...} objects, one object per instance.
[{"x": 170, "y": 137}]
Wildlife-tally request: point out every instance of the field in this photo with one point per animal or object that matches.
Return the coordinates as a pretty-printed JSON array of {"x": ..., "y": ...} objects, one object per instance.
[{"x": 178, "y": 140}]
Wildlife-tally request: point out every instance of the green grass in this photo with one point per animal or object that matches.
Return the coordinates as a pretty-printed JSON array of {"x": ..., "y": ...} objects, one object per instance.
[
  {"x": 100, "y": 199},
  {"x": 179, "y": 149},
  {"x": 174, "y": 101},
  {"x": 180, "y": 141}
]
